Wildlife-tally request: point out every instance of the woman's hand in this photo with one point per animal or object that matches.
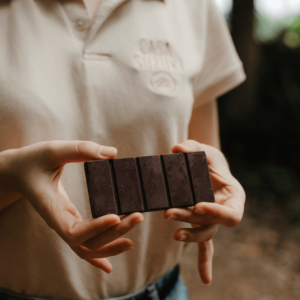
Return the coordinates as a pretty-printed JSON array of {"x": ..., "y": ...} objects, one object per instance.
[
  {"x": 205, "y": 217},
  {"x": 34, "y": 172}
]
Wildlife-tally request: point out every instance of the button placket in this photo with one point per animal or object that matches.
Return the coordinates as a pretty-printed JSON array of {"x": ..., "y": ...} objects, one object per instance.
[
  {"x": 80, "y": 25},
  {"x": 78, "y": 22},
  {"x": 105, "y": 8}
]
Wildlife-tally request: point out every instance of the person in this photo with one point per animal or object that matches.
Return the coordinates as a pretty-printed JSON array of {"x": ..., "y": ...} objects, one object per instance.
[{"x": 80, "y": 81}]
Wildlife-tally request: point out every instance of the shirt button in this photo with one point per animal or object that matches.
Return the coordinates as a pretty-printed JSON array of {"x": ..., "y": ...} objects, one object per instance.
[{"x": 79, "y": 25}]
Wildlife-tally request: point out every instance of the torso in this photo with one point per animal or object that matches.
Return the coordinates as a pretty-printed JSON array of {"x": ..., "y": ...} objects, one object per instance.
[{"x": 124, "y": 80}]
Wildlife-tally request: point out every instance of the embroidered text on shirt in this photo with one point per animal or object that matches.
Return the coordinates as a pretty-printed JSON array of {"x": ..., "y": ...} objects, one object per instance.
[{"x": 157, "y": 56}]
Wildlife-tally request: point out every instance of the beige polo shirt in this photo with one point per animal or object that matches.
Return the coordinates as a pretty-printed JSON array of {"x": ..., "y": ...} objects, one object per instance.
[{"x": 127, "y": 79}]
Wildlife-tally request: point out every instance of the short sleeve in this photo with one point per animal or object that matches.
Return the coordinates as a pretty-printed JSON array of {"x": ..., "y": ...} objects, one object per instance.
[{"x": 222, "y": 70}]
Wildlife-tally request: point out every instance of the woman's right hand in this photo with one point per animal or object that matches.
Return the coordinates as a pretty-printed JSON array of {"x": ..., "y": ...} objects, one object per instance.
[{"x": 34, "y": 172}]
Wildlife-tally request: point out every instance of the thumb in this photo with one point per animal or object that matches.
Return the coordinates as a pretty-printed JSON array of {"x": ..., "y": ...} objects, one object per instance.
[
  {"x": 59, "y": 153},
  {"x": 215, "y": 158}
]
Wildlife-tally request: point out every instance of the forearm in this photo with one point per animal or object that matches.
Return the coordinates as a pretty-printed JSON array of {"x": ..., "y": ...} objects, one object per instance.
[
  {"x": 8, "y": 191},
  {"x": 204, "y": 124}
]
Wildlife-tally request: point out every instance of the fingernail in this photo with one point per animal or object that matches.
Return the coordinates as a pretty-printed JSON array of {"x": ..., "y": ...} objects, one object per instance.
[
  {"x": 173, "y": 217},
  {"x": 107, "y": 151},
  {"x": 128, "y": 248},
  {"x": 208, "y": 283},
  {"x": 138, "y": 220},
  {"x": 115, "y": 222},
  {"x": 200, "y": 211},
  {"x": 183, "y": 237}
]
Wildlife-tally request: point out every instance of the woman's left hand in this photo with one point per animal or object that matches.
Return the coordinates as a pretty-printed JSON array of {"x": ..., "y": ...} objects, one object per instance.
[{"x": 205, "y": 217}]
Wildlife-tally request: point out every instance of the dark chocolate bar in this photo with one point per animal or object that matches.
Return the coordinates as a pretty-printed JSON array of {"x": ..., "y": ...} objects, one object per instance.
[{"x": 148, "y": 183}]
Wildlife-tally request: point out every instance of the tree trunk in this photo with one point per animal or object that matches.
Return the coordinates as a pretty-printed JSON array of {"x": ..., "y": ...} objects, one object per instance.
[{"x": 242, "y": 99}]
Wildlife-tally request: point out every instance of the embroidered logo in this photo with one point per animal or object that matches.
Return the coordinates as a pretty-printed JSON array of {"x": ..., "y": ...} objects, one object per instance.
[
  {"x": 163, "y": 83},
  {"x": 157, "y": 56}
]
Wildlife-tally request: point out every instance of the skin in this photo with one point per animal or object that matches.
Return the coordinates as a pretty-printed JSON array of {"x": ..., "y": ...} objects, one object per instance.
[
  {"x": 205, "y": 217},
  {"x": 229, "y": 194},
  {"x": 203, "y": 128},
  {"x": 33, "y": 172}
]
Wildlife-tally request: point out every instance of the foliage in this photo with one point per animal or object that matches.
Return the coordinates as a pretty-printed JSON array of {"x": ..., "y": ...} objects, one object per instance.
[{"x": 263, "y": 148}]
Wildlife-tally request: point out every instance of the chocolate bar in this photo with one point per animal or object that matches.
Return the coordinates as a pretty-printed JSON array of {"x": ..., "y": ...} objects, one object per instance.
[{"x": 148, "y": 183}]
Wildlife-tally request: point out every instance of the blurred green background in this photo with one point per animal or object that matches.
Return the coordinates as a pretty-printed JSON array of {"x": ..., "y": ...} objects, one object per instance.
[{"x": 260, "y": 120}]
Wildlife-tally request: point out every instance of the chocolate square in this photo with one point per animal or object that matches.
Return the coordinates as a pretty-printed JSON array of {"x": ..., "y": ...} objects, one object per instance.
[
  {"x": 153, "y": 182},
  {"x": 178, "y": 181},
  {"x": 100, "y": 187},
  {"x": 128, "y": 185},
  {"x": 200, "y": 177}
]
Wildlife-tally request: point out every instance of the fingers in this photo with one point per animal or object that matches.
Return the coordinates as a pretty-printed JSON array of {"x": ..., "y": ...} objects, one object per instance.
[
  {"x": 197, "y": 234},
  {"x": 95, "y": 239},
  {"x": 76, "y": 231},
  {"x": 182, "y": 214},
  {"x": 190, "y": 146},
  {"x": 225, "y": 215},
  {"x": 215, "y": 157},
  {"x": 205, "y": 213},
  {"x": 111, "y": 249},
  {"x": 205, "y": 258},
  {"x": 101, "y": 263},
  {"x": 116, "y": 247},
  {"x": 113, "y": 233},
  {"x": 58, "y": 153},
  {"x": 222, "y": 214}
]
